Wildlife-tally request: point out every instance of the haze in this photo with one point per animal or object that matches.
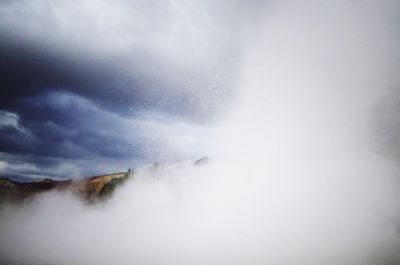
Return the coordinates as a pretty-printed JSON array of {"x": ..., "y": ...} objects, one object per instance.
[{"x": 299, "y": 120}]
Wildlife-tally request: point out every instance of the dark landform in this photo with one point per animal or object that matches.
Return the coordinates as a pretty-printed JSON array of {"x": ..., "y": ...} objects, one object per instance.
[{"x": 90, "y": 189}]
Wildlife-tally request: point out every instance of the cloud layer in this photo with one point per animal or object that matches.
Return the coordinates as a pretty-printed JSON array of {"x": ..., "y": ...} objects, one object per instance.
[{"x": 79, "y": 77}]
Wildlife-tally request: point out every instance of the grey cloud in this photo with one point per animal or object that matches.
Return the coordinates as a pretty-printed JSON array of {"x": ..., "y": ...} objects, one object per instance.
[
  {"x": 89, "y": 82},
  {"x": 68, "y": 129},
  {"x": 169, "y": 55}
]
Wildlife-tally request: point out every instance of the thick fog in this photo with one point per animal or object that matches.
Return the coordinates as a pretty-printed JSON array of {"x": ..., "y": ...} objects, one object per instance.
[{"x": 303, "y": 167}]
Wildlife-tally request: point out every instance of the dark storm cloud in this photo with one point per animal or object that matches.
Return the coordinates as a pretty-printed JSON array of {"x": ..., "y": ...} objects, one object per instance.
[
  {"x": 36, "y": 89},
  {"x": 60, "y": 134},
  {"x": 60, "y": 126},
  {"x": 30, "y": 71},
  {"x": 124, "y": 55},
  {"x": 104, "y": 86},
  {"x": 70, "y": 129}
]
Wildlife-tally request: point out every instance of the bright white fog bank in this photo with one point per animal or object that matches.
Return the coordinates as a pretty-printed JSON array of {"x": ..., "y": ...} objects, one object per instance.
[{"x": 295, "y": 175}]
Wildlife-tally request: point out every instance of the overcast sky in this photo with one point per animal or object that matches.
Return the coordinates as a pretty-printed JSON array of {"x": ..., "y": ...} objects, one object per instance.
[{"x": 101, "y": 86}]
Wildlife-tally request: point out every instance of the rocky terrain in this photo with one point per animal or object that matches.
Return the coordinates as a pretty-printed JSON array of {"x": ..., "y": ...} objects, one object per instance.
[{"x": 90, "y": 189}]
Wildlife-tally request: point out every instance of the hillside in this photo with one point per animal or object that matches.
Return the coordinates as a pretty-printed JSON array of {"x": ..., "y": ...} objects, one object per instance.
[{"x": 90, "y": 189}]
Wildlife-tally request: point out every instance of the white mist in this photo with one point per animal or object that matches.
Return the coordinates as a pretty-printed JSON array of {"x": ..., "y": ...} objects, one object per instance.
[{"x": 295, "y": 177}]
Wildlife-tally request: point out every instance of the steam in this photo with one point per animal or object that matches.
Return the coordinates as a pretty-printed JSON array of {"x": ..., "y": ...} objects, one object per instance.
[{"x": 295, "y": 178}]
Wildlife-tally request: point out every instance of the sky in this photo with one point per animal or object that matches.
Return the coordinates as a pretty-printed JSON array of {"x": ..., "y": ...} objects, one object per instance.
[{"x": 102, "y": 86}]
